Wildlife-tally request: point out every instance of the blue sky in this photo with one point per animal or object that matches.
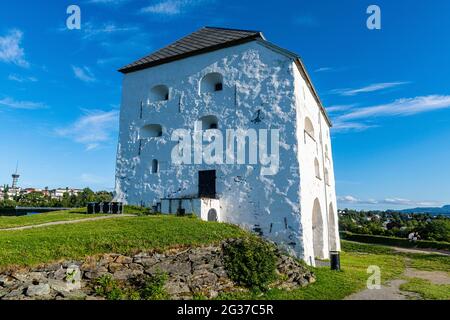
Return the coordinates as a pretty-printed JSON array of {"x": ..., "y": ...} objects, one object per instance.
[{"x": 386, "y": 90}]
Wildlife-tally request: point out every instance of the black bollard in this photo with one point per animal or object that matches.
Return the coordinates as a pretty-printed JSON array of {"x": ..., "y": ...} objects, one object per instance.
[{"x": 335, "y": 260}]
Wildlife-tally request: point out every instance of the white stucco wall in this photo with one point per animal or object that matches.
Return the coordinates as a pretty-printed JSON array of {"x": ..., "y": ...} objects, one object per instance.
[
  {"x": 255, "y": 78},
  {"x": 312, "y": 188}
]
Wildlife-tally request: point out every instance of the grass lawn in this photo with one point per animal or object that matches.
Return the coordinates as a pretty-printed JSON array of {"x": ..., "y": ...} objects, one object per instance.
[
  {"x": 428, "y": 290},
  {"x": 336, "y": 285},
  {"x": 122, "y": 235},
  {"x": 428, "y": 262},
  {"x": 74, "y": 214},
  {"x": 128, "y": 235}
]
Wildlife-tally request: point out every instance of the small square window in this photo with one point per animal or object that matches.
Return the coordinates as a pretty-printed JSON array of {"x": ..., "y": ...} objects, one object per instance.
[{"x": 218, "y": 86}]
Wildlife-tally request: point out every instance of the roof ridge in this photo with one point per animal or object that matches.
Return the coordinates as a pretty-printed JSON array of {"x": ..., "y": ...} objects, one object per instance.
[
  {"x": 231, "y": 29},
  {"x": 200, "y": 41}
]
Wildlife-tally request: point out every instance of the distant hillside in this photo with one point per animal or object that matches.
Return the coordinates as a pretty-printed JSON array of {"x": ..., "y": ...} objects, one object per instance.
[{"x": 445, "y": 210}]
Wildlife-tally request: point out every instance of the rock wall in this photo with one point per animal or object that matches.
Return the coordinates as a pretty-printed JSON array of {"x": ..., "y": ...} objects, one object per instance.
[{"x": 191, "y": 271}]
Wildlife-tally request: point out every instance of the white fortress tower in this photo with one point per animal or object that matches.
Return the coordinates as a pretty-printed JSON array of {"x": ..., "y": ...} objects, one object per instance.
[{"x": 220, "y": 79}]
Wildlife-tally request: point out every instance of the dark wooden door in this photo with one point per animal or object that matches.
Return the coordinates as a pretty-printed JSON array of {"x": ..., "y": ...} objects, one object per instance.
[{"x": 207, "y": 184}]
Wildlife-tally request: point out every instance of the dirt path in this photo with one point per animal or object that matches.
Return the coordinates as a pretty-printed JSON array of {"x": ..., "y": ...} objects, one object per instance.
[
  {"x": 424, "y": 251},
  {"x": 56, "y": 223},
  {"x": 391, "y": 290}
]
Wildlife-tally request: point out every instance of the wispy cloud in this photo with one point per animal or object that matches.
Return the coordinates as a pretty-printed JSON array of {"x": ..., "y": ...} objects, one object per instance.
[
  {"x": 104, "y": 61},
  {"x": 21, "y": 79},
  {"x": 354, "y": 200},
  {"x": 340, "y": 107},
  {"x": 84, "y": 74},
  {"x": 359, "y": 119},
  {"x": 11, "y": 50},
  {"x": 342, "y": 126},
  {"x": 93, "y": 128},
  {"x": 91, "y": 30},
  {"x": 27, "y": 105},
  {"x": 370, "y": 88},
  {"x": 387, "y": 201},
  {"x": 324, "y": 69},
  {"x": 101, "y": 31},
  {"x": 328, "y": 69},
  {"x": 400, "y": 107},
  {"x": 173, "y": 7}
]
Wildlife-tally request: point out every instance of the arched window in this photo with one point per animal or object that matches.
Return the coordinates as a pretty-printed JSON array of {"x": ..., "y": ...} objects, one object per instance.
[
  {"x": 326, "y": 177},
  {"x": 209, "y": 123},
  {"x": 159, "y": 93},
  {"x": 212, "y": 82},
  {"x": 151, "y": 131},
  {"x": 309, "y": 128},
  {"x": 317, "y": 168},
  {"x": 155, "y": 166}
]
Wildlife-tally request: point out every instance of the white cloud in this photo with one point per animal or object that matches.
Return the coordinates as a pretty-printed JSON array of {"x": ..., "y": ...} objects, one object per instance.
[
  {"x": 340, "y": 107},
  {"x": 400, "y": 107},
  {"x": 324, "y": 69},
  {"x": 84, "y": 74},
  {"x": 21, "y": 79},
  {"x": 342, "y": 126},
  {"x": 354, "y": 200},
  {"x": 370, "y": 88},
  {"x": 92, "y": 129},
  {"x": 358, "y": 119},
  {"x": 27, "y": 105},
  {"x": 91, "y": 30},
  {"x": 172, "y": 7},
  {"x": 11, "y": 50},
  {"x": 393, "y": 201}
]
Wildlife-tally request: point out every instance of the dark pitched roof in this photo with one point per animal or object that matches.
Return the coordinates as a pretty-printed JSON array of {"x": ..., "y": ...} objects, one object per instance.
[{"x": 204, "y": 40}]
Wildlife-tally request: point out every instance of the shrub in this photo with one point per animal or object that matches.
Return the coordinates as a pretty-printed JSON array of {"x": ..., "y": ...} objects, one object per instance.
[
  {"x": 250, "y": 262},
  {"x": 139, "y": 288},
  {"x": 108, "y": 288},
  {"x": 153, "y": 287}
]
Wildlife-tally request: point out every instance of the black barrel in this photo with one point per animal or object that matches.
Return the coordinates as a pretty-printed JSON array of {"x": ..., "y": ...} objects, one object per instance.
[
  {"x": 335, "y": 260},
  {"x": 91, "y": 208},
  {"x": 106, "y": 207},
  {"x": 97, "y": 207},
  {"x": 114, "y": 207}
]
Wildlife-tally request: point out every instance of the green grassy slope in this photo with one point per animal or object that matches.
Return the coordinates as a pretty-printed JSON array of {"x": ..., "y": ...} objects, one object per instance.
[{"x": 121, "y": 235}]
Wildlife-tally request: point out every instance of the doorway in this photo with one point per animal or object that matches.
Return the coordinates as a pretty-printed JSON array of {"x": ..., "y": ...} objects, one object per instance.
[
  {"x": 212, "y": 216},
  {"x": 207, "y": 184}
]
